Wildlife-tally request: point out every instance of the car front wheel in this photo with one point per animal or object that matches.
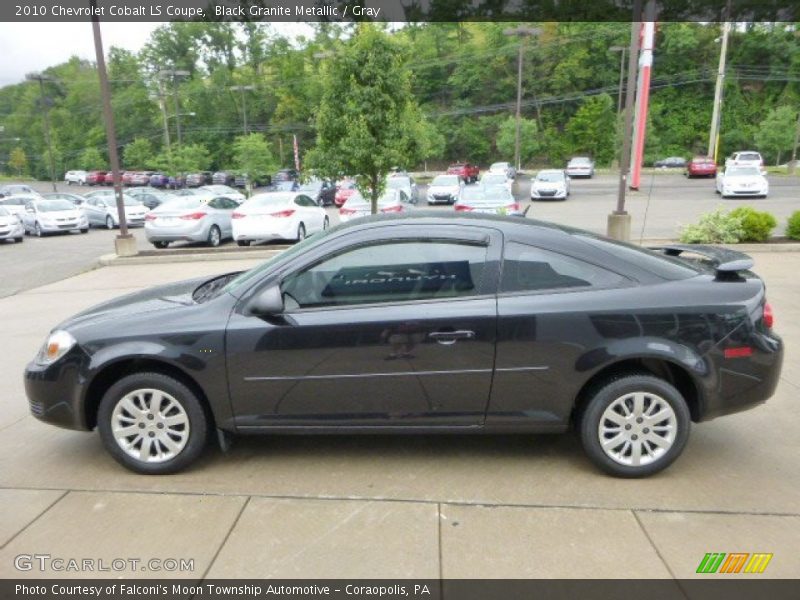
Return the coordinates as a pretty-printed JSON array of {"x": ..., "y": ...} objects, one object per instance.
[
  {"x": 152, "y": 423},
  {"x": 634, "y": 425},
  {"x": 109, "y": 222}
]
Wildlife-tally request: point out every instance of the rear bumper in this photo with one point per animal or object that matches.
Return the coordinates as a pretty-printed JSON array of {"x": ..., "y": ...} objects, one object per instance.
[
  {"x": 265, "y": 229},
  {"x": 194, "y": 233}
]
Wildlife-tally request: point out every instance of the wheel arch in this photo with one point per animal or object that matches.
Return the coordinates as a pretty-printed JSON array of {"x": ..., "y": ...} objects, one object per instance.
[
  {"x": 671, "y": 372},
  {"x": 114, "y": 371}
]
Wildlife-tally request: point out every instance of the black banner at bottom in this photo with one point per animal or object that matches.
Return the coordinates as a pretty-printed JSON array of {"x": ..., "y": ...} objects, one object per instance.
[{"x": 720, "y": 588}]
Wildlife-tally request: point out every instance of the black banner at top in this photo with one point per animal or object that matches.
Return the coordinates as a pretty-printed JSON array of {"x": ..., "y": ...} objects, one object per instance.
[{"x": 347, "y": 11}]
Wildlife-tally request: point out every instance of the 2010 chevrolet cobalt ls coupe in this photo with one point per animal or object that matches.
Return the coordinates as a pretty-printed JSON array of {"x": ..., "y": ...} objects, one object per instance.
[{"x": 428, "y": 323}]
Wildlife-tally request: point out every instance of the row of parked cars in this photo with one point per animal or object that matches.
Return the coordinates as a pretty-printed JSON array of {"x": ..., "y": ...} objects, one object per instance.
[{"x": 161, "y": 180}]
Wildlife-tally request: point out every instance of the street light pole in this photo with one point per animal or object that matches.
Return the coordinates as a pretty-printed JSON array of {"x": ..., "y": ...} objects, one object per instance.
[
  {"x": 622, "y": 50},
  {"x": 175, "y": 74},
  {"x": 713, "y": 136},
  {"x": 125, "y": 243},
  {"x": 523, "y": 33},
  {"x": 243, "y": 89},
  {"x": 46, "y": 116}
]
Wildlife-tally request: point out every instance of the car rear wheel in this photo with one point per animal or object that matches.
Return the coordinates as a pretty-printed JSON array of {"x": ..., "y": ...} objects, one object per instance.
[
  {"x": 634, "y": 425},
  {"x": 214, "y": 236},
  {"x": 243, "y": 243},
  {"x": 109, "y": 222},
  {"x": 152, "y": 423},
  {"x": 85, "y": 230},
  {"x": 301, "y": 232},
  {"x": 161, "y": 245}
]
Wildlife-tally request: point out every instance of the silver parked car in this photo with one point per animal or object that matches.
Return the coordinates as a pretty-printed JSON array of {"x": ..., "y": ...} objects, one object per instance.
[
  {"x": 101, "y": 209},
  {"x": 76, "y": 199},
  {"x": 404, "y": 183},
  {"x": 10, "y": 226},
  {"x": 190, "y": 219},
  {"x": 43, "y": 216},
  {"x": 580, "y": 166},
  {"x": 495, "y": 200},
  {"x": 16, "y": 204}
]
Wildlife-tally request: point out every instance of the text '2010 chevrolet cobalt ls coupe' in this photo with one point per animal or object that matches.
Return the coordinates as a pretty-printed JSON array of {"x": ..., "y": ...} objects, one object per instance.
[{"x": 423, "y": 324}]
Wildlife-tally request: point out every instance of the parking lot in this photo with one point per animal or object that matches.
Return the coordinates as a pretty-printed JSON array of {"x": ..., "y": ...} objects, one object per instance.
[
  {"x": 665, "y": 202},
  {"x": 368, "y": 506}
]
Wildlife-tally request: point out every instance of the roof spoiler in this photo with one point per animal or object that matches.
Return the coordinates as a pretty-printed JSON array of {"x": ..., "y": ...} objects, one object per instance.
[{"x": 725, "y": 261}]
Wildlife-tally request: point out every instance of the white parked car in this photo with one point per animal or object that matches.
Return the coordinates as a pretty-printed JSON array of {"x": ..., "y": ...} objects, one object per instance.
[
  {"x": 444, "y": 189},
  {"x": 489, "y": 180},
  {"x": 392, "y": 201},
  {"x": 505, "y": 168},
  {"x": 550, "y": 184},
  {"x": 580, "y": 166},
  {"x": 403, "y": 182},
  {"x": 742, "y": 181},
  {"x": 10, "y": 226},
  {"x": 745, "y": 158},
  {"x": 190, "y": 219},
  {"x": 75, "y": 177},
  {"x": 224, "y": 191},
  {"x": 43, "y": 216},
  {"x": 277, "y": 216},
  {"x": 16, "y": 204},
  {"x": 101, "y": 209}
]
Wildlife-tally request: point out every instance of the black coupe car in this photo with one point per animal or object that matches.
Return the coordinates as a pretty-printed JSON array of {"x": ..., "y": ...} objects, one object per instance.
[{"x": 423, "y": 324}]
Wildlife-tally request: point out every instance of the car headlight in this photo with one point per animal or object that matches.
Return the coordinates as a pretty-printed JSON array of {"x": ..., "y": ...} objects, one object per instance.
[{"x": 57, "y": 345}]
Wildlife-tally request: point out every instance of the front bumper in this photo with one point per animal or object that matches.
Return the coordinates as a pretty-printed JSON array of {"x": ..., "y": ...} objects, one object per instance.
[
  {"x": 12, "y": 232},
  {"x": 548, "y": 194},
  {"x": 66, "y": 226},
  {"x": 56, "y": 392},
  {"x": 744, "y": 192},
  {"x": 441, "y": 198}
]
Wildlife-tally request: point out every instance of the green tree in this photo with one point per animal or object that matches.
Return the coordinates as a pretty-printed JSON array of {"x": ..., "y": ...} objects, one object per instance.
[
  {"x": 18, "y": 161},
  {"x": 252, "y": 156},
  {"x": 368, "y": 119},
  {"x": 138, "y": 154},
  {"x": 91, "y": 158},
  {"x": 775, "y": 134},
  {"x": 592, "y": 129},
  {"x": 186, "y": 159},
  {"x": 528, "y": 139}
]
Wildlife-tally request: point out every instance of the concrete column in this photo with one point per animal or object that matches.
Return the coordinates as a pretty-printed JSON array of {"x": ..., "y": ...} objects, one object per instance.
[
  {"x": 125, "y": 246},
  {"x": 619, "y": 226}
]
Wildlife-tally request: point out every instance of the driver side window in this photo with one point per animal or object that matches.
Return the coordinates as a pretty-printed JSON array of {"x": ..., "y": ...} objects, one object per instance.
[{"x": 389, "y": 272}]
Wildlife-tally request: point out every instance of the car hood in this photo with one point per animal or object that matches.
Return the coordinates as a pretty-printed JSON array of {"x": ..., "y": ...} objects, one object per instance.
[
  {"x": 444, "y": 189},
  {"x": 547, "y": 184},
  {"x": 11, "y": 221},
  {"x": 169, "y": 297},
  {"x": 744, "y": 178},
  {"x": 62, "y": 214}
]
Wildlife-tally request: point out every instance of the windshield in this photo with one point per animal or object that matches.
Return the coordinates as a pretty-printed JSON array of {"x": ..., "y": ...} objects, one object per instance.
[
  {"x": 397, "y": 183},
  {"x": 749, "y": 156},
  {"x": 54, "y": 205},
  {"x": 471, "y": 193},
  {"x": 267, "y": 200},
  {"x": 743, "y": 172},
  {"x": 180, "y": 203},
  {"x": 445, "y": 180},
  {"x": 580, "y": 161},
  {"x": 493, "y": 179},
  {"x": 499, "y": 166},
  {"x": 550, "y": 177}
]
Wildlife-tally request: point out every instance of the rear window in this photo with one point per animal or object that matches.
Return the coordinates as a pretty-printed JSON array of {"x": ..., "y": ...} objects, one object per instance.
[
  {"x": 749, "y": 156},
  {"x": 666, "y": 267}
]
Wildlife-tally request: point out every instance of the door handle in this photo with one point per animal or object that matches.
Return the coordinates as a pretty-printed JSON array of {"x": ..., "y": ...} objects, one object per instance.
[{"x": 448, "y": 338}]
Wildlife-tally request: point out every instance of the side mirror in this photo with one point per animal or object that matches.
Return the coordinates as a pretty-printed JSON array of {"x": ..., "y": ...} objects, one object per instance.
[{"x": 268, "y": 301}]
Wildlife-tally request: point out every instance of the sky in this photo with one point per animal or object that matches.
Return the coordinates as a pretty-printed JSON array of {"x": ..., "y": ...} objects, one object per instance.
[{"x": 27, "y": 47}]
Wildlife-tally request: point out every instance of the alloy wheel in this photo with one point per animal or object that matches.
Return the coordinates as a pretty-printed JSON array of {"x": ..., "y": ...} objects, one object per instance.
[
  {"x": 109, "y": 222},
  {"x": 637, "y": 429},
  {"x": 150, "y": 425},
  {"x": 213, "y": 236}
]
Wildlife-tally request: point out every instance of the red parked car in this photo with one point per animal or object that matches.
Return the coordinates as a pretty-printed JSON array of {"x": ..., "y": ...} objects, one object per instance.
[
  {"x": 96, "y": 177},
  {"x": 343, "y": 192},
  {"x": 701, "y": 166},
  {"x": 109, "y": 178},
  {"x": 466, "y": 171}
]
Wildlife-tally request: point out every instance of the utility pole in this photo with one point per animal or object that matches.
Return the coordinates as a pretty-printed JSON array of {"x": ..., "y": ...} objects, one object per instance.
[
  {"x": 125, "y": 243},
  {"x": 523, "y": 33},
  {"x": 622, "y": 50},
  {"x": 243, "y": 89},
  {"x": 46, "y": 116},
  {"x": 175, "y": 74},
  {"x": 619, "y": 221},
  {"x": 163, "y": 105},
  {"x": 713, "y": 136}
]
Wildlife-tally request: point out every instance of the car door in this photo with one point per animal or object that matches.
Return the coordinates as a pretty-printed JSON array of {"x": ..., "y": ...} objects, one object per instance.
[
  {"x": 313, "y": 214},
  {"x": 394, "y": 326}
]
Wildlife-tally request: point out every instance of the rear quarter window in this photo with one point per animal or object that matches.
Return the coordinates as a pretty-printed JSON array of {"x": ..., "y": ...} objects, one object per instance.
[{"x": 666, "y": 267}]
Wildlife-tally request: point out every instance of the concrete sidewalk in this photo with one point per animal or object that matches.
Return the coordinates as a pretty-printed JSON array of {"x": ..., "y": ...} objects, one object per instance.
[{"x": 422, "y": 507}]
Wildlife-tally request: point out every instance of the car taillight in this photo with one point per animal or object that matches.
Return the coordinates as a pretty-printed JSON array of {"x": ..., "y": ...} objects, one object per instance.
[
  {"x": 238, "y": 215},
  {"x": 282, "y": 213},
  {"x": 149, "y": 217},
  {"x": 392, "y": 209},
  {"x": 513, "y": 207},
  {"x": 462, "y": 208},
  {"x": 195, "y": 216},
  {"x": 346, "y": 211},
  {"x": 768, "y": 316}
]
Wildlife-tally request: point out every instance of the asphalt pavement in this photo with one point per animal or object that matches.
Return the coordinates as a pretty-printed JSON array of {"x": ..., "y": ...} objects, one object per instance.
[
  {"x": 664, "y": 203},
  {"x": 393, "y": 506}
]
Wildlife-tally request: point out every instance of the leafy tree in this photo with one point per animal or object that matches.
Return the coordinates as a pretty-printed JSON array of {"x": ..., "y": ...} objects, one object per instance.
[
  {"x": 188, "y": 158},
  {"x": 367, "y": 117},
  {"x": 91, "y": 158},
  {"x": 252, "y": 156},
  {"x": 592, "y": 129},
  {"x": 528, "y": 139},
  {"x": 18, "y": 161},
  {"x": 776, "y": 132},
  {"x": 138, "y": 154}
]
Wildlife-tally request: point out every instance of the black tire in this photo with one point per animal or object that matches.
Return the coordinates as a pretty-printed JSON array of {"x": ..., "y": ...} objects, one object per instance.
[
  {"x": 19, "y": 240},
  {"x": 606, "y": 393},
  {"x": 85, "y": 230},
  {"x": 198, "y": 421},
  {"x": 161, "y": 245},
  {"x": 38, "y": 230},
  {"x": 301, "y": 232},
  {"x": 109, "y": 222},
  {"x": 214, "y": 236},
  {"x": 243, "y": 243}
]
